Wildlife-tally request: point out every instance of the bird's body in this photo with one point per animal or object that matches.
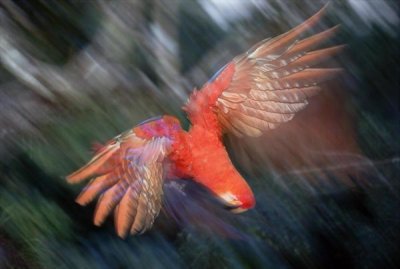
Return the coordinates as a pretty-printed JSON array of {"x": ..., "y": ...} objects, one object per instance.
[{"x": 255, "y": 92}]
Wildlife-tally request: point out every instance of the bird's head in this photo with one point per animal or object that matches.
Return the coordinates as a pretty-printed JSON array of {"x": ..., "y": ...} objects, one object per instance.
[{"x": 234, "y": 193}]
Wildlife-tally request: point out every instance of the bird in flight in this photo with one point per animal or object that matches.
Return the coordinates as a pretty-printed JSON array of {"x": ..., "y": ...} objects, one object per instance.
[{"x": 255, "y": 92}]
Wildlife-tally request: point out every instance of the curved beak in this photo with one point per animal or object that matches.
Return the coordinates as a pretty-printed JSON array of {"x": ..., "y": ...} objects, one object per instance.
[
  {"x": 238, "y": 210},
  {"x": 231, "y": 203}
]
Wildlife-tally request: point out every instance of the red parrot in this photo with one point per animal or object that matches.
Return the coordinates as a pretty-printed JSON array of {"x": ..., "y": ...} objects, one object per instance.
[{"x": 254, "y": 93}]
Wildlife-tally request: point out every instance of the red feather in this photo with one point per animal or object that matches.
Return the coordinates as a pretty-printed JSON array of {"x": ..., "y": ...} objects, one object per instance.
[{"x": 255, "y": 92}]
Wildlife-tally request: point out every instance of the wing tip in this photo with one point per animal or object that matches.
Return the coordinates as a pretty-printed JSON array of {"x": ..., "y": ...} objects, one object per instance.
[
  {"x": 122, "y": 236},
  {"x": 316, "y": 17},
  {"x": 323, "y": 9},
  {"x": 97, "y": 220},
  {"x": 332, "y": 30},
  {"x": 120, "y": 230},
  {"x": 74, "y": 178},
  {"x": 101, "y": 212},
  {"x": 80, "y": 201},
  {"x": 339, "y": 48},
  {"x": 82, "y": 174},
  {"x": 336, "y": 70},
  {"x": 85, "y": 197}
]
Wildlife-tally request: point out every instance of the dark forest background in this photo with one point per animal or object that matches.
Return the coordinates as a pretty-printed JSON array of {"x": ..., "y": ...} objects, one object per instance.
[{"x": 76, "y": 72}]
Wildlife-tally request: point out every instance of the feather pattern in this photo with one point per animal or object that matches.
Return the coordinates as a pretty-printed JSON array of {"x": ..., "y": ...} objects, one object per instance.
[
  {"x": 255, "y": 92},
  {"x": 274, "y": 79},
  {"x": 132, "y": 184}
]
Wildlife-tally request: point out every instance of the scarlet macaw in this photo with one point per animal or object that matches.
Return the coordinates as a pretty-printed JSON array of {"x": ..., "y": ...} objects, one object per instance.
[{"x": 255, "y": 92}]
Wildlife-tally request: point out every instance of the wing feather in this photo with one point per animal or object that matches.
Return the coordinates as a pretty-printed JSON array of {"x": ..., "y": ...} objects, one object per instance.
[
  {"x": 274, "y": 79},
  {"x": 294, "y": 95},
  {"x": 275, "y": 107},
  {"x": 96, "y": 166},
  {"x": 95, "y": 187},
  {"x": 308, "y": 77},
  {"x": 108, "y": 201},
  {"x": 264, "y": 115},
  {"x": 132, "y": 186},
  {"x": 275, "y": 47},
  {"x": 126, "y": 212},
  {"x": 299, "y": 48},
  {"x": 245, "y": 128},
  {"x": 306, "y": 61}
]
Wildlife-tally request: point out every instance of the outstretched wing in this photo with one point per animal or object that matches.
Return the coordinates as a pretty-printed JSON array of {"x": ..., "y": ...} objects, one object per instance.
[
  {"x": 273, "y": 80},
  {"x": 128, "y": 172}
]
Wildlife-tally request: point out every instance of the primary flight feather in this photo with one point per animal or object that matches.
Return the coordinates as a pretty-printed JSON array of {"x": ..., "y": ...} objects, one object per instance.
[{"x": 255, "y": 92}]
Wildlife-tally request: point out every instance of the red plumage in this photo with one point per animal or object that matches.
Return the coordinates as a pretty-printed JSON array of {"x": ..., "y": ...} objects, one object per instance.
[{"x": 255, "y": 92}]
